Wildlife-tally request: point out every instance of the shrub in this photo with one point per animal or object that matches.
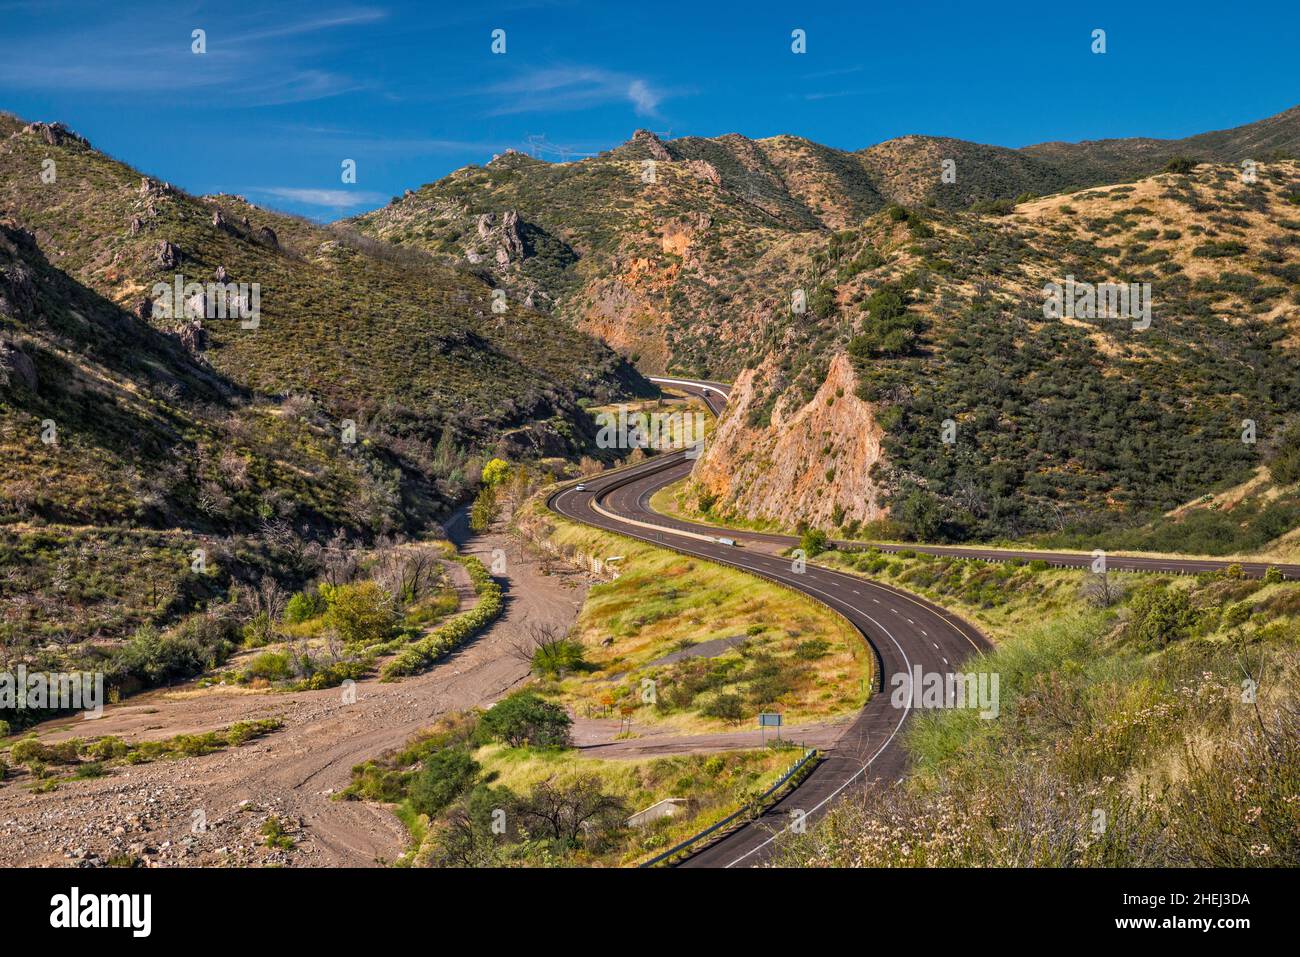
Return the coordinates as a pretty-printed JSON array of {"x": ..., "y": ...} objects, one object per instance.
[
  {"x": 304, "y": 606},
  {"x": 156, "y": 658},
  {"x": 363, "y": 612},
  {"x": 1161, "y": 615},
  {"x": 524, "y": 718},
  {"x": 446, "y": 775},
  {"x": 814, "y": 542},
  {"x": 726, "y": 707},
  {"x": 812, "y": 649},
  {"x": 556, "y": 658},
  {"x": 270, "y": 666},
  {"x": 1284, "y": 463},
  {"x": 496, "y": 472},
  {"x": 106, "y": 749},
  {"x": 27, "y": 751},
  {"x": 485, "y": 509}
]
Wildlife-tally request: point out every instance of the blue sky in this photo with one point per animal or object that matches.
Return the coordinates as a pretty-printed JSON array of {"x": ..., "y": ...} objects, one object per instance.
[{"x": 412, "y": 91}]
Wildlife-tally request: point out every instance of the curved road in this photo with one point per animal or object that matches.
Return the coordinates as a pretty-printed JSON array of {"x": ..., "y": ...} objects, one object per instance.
[{"x": 902, "y": 630}]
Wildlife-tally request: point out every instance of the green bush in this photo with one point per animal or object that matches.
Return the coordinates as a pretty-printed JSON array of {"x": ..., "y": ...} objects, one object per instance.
[
  {"x": 270, "y": 666},
  {"x": 558, "y": 658},
  {"x": 363, "y": 613},
  {"x": 106, "y": 749},
  {"x": 1284, "y": 463},
  {"x": 1161, "y": 615},
  {"x": 446, "y": 775},
  {"x": 524, "y": 718},
  {"x": 304, "y": 606},
  {"x": 156, "y": 658},
  {"x": 813, "y": 542},
  {"x": 726, "y": 707}
]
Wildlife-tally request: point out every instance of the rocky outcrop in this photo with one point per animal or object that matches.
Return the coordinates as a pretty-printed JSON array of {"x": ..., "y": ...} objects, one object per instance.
[
  {"x": 54, "y": 134},
  {"x": 17, "y": 291},
  {"x": 809, "y": 464},
  {"x": 507, "y": 236},
  {"x": 266, "y": 235},
  {"x": 652, "y": 145},
  {"x": 16, "y": 366},
  {"x": 193, "y": 336},
  {"x": 168, "y": 255},
  {"x": 702, "y": 169},
  {"x": 152, "y": 188}
]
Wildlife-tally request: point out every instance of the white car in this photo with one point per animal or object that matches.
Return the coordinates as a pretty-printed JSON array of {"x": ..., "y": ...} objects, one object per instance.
[
  {"x": 727, "y": 541},
  {"x": 580, "y": 487}
]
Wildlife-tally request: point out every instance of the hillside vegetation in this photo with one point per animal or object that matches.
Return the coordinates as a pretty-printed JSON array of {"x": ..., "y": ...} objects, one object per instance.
[
  {"x": 171, "y": 480},
  {"x": 768, "y": 260},
  {"x": 1143, "y": 722}
]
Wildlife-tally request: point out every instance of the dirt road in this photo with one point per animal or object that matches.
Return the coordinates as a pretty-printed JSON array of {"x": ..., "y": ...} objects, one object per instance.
[{"x": 209, "y": 810}]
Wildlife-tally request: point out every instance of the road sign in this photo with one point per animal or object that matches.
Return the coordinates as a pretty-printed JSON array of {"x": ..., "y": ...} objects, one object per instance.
[{"x": 767, "y": 719}]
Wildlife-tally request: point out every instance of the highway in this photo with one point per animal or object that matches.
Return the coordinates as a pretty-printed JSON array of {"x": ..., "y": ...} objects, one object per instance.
[{"x": 903, "y": 631}]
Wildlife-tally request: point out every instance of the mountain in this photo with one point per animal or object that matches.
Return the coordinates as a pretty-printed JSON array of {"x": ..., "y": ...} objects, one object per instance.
[
  {"x": 359, "y": 402},
  {"x": 408, "y": 344},
  {"x": 810, "y": 274}
]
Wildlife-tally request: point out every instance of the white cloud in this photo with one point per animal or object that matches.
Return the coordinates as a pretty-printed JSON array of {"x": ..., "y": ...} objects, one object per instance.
[
  {"x": 337, "y": 198},
  {"x": 643, "y": 98},
  {"x": 574, "y": 88}
]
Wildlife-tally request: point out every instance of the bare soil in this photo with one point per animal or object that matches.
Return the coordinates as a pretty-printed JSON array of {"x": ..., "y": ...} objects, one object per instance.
[{"x": 209, "y": 810}]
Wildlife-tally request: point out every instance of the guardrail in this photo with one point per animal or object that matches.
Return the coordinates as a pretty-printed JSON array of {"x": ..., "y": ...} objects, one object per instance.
[{"x": 808, "y": 755}]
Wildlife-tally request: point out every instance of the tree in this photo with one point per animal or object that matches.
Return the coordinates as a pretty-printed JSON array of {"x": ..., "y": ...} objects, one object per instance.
[
  {"x": 567, "y": 811},
  {"x": 727, "y": 706},
  {"x": 475, "y": 831},
  {"x": 496, "y": 472},
  {"x": 921, "y": 515},
  {"x": 813, "y": 542},
  {"x": 485, "y": 509},
  {"x": 447, "y": 774},
  {"x": 1100, "y": 592},
  {"x": 362, "y": 613},
  {"x": 1284, "y": 464},
  {"x": 524, "y": 718}
]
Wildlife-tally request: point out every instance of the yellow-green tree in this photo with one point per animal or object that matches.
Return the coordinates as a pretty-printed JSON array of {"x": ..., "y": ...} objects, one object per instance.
[{"x": 495, "y": 472}]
